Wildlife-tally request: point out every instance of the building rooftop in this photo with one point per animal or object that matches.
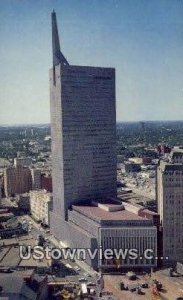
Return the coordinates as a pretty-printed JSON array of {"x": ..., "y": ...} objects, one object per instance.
[
  {"x": 146, "y": 210},
  {"x": 11, "y": 257},
  {"x": 13, "y": 284},
  {"x": 41, "y": 193},
  {"x": 6, "y": 215},
  {"x": 167, "y": 166},
  {"x": 100, "y": 213},
  {"x": 178, "y": 149}
]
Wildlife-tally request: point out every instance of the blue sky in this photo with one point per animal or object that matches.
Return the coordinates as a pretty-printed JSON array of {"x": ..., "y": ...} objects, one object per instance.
[{"x": 142, "y": 39}]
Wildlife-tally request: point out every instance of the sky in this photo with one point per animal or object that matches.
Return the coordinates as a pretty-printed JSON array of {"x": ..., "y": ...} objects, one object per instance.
[{"x": 141, "y": 39}]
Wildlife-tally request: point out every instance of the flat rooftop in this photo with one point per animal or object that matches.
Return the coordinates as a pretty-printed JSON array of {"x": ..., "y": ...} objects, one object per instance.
[
  {"x": 13, "y": 284},
  {"x": 104, "y": 215},
  {"x": 6, "y": 215},
  {"x": 11, "y": 258},
  {"x": 10, "y": 252}
]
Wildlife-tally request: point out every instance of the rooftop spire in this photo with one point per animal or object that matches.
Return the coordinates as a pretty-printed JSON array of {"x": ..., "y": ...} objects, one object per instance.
[{"x": 58, "y": 57}]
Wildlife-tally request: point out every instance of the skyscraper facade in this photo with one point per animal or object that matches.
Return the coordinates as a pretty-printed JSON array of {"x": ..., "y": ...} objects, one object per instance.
[
  {"x": 170, "y": 204},
  {"x": 83, "y": 129},
  {"x": 86, "y": 212}
]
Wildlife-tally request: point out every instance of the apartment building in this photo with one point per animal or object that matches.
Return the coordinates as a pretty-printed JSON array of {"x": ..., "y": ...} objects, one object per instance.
[{"x": 41, "y": 205}]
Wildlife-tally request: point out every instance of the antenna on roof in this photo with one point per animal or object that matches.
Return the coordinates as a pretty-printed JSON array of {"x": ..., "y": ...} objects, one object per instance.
[{"x": 58, "y": 57}]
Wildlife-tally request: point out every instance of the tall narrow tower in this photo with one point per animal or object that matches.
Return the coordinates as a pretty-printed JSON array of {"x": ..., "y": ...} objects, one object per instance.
[{"x": 83, "y": 130}]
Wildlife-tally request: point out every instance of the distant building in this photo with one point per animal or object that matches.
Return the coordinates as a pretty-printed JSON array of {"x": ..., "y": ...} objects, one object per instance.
[
  {"x": 141, "y": 160},
  {"x": 23, "y": 202},
  {"x": 41, "y": 204},
  {"x": 150, "y": 174},
  {"x": 22, "y": 161},
  {"x": 21, "y": 154},
  {"x": 21, "y": 177},
  {"x": 132, "y": 167},
  {"x": 17, "y": 180},
  {"x": 170, "y": 204},
  {"x": 46, "y": 182},
  {"x": 176, "y": 155},
  {"x": 36, "y": 179},
  {"x": 162, "y": 149},
  {"x": 142, "y": 125}
]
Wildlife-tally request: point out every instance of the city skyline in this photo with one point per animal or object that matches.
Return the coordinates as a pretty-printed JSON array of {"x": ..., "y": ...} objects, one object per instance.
[{"x": 143, "y": 42}]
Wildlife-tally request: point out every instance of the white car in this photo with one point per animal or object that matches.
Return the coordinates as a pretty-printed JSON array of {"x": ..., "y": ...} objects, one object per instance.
[{"x": 82, "y": 279}]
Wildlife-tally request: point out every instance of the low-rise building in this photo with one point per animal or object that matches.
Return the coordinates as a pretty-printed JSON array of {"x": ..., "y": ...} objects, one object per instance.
[
  {"x": 4, "y": 216},
  {"x": 23, "y": 202},
  {"x": 132, "y": 167},
  {"x": 23, "y": 285},
  {"x": 141, "y": 160},
  {"x": 22, "y": 161}
]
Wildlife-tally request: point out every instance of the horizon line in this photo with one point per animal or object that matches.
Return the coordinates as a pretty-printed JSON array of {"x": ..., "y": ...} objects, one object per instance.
[{"x": 49, "y": 123}]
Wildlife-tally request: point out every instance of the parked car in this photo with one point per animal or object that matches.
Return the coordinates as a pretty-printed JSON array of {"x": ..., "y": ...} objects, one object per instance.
[{"x": 82, "y": 279}]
